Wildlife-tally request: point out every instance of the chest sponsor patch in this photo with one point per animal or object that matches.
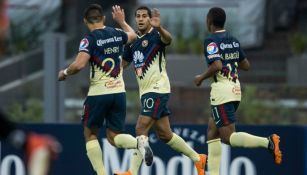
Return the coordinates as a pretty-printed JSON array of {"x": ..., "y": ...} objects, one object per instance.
[
  {"x": 139, "y": 72},
  {"x": 138, "y": 59},
  {"x": 212, "y": 48}
]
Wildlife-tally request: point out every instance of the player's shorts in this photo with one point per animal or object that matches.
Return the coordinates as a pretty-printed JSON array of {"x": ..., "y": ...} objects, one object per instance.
[
  {"x": 224, "y": 114},
  {"x": 155, "y": 105},
  {"x": 110, "y": 108}
]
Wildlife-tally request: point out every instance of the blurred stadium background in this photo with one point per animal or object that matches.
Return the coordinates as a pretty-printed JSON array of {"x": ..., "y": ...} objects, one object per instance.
[{"x": 44, "y": 37}]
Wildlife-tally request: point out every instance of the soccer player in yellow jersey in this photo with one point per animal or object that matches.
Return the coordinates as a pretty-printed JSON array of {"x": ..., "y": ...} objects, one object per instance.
[
  {"x": 148, "y": 56},
  {"x": 224, "y": 56},
  {"x": 106, "y": 100}
]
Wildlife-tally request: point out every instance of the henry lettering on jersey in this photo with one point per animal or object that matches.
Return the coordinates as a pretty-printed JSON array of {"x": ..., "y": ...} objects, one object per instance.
[{"x": 105, "y": 47}]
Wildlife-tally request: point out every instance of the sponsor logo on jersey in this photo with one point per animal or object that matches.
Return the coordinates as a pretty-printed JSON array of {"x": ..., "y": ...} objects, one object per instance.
[
  {"x": 101, "y": 42},
  {"x": 212, "y": 48},
  {"x": 145, "y": 43},
  {"x": 236, "y": 90},
  {"x": 83, "y": 44},
  {"x": 229, "y": 45},
  {"x": 138, "y": 58},
  {"x": 113, "y": 84},
  {"x": 226, "y": 46},
  {"x": 139, "y": 71},
  {"x": 214, "y": 56}
]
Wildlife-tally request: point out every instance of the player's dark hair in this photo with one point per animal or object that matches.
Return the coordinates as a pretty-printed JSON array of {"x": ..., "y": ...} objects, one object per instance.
[
  {"x": 93, "y": 13},
  {"x": 143, "y": 8},
  {"x": 217, "y": 16}
]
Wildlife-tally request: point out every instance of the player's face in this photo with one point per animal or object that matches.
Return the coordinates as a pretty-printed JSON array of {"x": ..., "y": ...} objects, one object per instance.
[{"x": 142, "y": 20}]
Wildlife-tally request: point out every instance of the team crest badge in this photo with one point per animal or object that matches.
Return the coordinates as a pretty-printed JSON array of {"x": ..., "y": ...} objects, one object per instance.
[{"x": 145, "y": 43}]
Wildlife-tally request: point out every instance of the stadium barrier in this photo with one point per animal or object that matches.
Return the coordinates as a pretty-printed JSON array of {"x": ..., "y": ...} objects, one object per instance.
[{"x": 235, "y": 161}]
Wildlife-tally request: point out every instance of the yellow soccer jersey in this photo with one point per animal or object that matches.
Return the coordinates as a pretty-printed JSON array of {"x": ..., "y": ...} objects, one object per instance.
[
  {"x": 225, "y": 86},
  {"x": 106, "y": 48},
  {"x": 148, "y": 56}
]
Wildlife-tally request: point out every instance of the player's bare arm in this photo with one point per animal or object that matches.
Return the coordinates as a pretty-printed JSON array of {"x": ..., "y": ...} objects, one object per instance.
[
  {"x": 244, "y": 65},
  {"x": 155, "y": 22},
  {"x": 79, "y": 63},
  {"x": 119, "y": 16},
  {"x": 212, "y": 69}
]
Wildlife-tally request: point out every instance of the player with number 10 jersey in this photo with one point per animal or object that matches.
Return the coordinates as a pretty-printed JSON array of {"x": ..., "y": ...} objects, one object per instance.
[{"x": 148, "y": 56}]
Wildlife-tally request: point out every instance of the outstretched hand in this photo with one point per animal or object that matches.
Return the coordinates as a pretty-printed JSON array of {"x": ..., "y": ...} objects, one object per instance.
[
  {"x": 155, "y": 19},
  {"x": 118, "y": 14}
]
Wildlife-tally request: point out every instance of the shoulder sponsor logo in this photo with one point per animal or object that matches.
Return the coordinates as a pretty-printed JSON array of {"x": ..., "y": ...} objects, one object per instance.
[
  {"x": 214, "y": 56},
  {"x": 212, "y": 48},
  {"x": 84, "y": 44}
]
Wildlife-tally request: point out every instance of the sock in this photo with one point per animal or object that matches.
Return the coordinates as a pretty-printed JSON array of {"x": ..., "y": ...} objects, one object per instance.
[
  {"x": 94, "y": 153},
  {"x": 242, "y": 139},
  {"x": 178, "y": 144},
  {"x": 125, "y": 141},
  {"x": 214, "y": 156},
  {"x": 39, "y": 162},
  {"x": 135, "y": 162}
]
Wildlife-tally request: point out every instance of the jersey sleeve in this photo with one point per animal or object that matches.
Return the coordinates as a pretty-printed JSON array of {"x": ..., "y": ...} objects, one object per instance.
[
  {"x": 211, "y": 51},
  {"x": 123, "y": 34},
  {"x": 87, "y": 45},
  {"x": 242, "y": 55},
  {"x": 127, "y": 56},
  {"x": 158, "y": 37}
]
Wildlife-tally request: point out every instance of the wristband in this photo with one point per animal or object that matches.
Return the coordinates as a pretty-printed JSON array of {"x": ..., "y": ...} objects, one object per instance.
[{"x": 65, "y": 72}]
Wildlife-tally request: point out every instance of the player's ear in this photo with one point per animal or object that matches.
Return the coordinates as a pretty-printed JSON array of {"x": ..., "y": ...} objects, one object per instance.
[
  {"x": 85, "y": 21},
  {"x": 104, "y": 19}
]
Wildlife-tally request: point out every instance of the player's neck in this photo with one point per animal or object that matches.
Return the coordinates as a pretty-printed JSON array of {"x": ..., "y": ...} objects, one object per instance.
[
  {"x": 217, "y": 30},
  {"x": 143, "y": 32},
  {"x": 96, "y": 26}
]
